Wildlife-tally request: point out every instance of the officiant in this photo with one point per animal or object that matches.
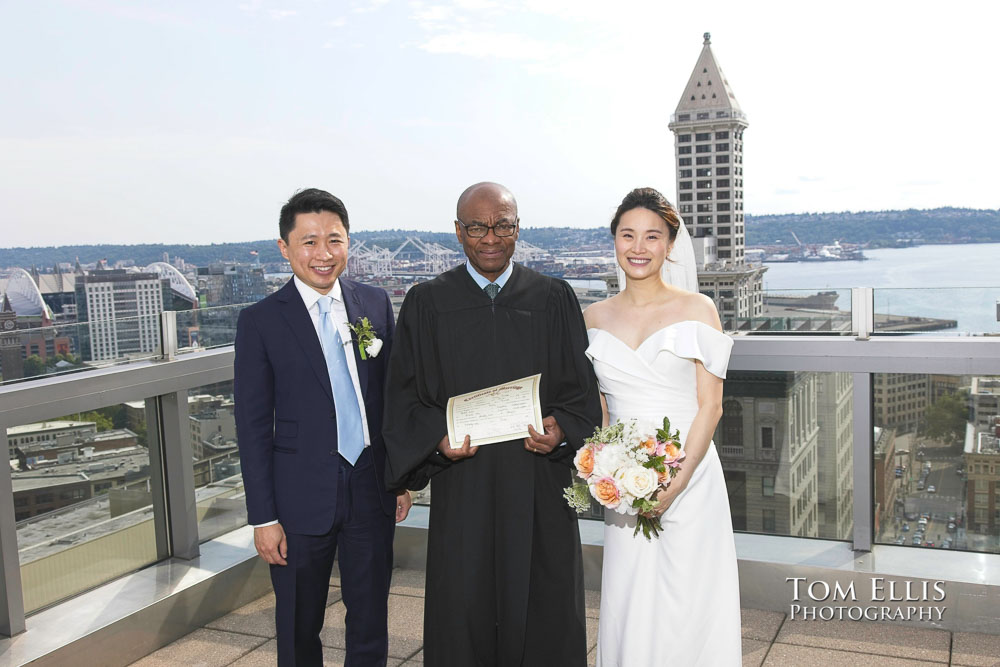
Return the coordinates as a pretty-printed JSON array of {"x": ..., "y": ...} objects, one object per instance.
[{"x": 504, "y": 566}]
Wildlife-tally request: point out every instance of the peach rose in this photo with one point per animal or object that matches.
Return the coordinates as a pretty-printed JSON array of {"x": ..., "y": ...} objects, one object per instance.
[
  {"x": 606, "y": 492},
  {"x": 649, "y": 444},
  {"x": 671, "y": 451},
  {"x": 584, "y": 462},
  {"x": 663, "y": 477}
]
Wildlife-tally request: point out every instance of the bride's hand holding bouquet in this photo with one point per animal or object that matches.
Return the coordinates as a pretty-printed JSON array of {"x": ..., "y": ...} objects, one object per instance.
[{"x": 624, "y": 469}]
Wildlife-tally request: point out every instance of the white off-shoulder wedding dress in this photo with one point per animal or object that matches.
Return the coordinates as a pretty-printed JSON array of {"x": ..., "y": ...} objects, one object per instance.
[{"x": 672, "y": 600}]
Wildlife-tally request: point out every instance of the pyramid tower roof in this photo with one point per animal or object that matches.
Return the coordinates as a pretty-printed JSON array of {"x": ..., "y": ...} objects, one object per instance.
[{"x": 708, "y": 87}]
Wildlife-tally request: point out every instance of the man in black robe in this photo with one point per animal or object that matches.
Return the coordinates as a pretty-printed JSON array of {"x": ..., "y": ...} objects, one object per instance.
[{"x": 504, "y": 565}]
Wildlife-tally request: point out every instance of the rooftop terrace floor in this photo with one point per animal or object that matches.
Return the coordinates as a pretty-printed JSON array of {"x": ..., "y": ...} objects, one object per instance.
[{"x": 245, "y": 637}]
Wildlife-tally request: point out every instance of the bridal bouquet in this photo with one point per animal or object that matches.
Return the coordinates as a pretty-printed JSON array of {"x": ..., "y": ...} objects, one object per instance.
[{"x": 623, "y": 468}]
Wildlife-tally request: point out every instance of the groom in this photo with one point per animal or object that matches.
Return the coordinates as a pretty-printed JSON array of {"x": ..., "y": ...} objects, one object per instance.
[{"x": 309, "y": 421}]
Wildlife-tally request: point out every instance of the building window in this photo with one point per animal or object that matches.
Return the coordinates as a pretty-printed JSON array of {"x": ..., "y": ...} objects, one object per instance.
[
  {"x": 767, "y": 487},
  {"x": 722, "y": 183},
  {"x": 701, "y": 115},
  {"x": 704, "y": 219},
  {"x": 704, "y": 148},
  {"x": 683, "y": 150},
  {"x": 723, "y": 242},
  {"x": 683, "y": 117},
  {"x": 723, "y": 230},
  {"x": 685, "y": 208},
  {"x": 722, "y": 159},
  {"x": 685, "y": 173},
  {"x": 685, "y": 196},
  {"x": 684, "y": 162},
  {"x": 703, "y": 136},
  {"x": 724, "y": 254},
  {"x": 701, "y": 173},
  {"x": 722, "y": 171},
  {"x": 704, "y": 184},
  {"x": 704, "y": 196},
  {"x": 767, "y": 521},
  {"x": 724, "y": 194},
  {"x": 683, "y": 138},
  {"x": 705, "y": 159},
  {"x": 732, "y": 423},
  {"x": 685, "y": 185},
  {"x": 704, "y": 208},
  {"x": 722, "y": 135},
  {"x": 722, "y": 147}
]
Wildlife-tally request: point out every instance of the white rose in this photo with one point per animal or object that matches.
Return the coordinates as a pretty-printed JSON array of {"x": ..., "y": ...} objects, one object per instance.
[
  {"x": 374, "y": 347},
  {"x": 639, "y": 482},
  {"x": 608, "y": 460}
]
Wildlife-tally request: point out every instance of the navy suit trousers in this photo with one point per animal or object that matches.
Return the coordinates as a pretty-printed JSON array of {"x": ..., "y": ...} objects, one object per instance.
[{"x": 362, "y": 536}]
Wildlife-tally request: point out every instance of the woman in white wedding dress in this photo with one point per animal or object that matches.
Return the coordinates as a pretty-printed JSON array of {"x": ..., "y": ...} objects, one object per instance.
[{"x": 658, "y": 350}]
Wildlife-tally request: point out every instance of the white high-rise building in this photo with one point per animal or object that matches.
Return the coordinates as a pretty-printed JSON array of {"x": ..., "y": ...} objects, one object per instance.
[
  {"x": 708, "y": 127},
  {"x": 122, "y": 312}
]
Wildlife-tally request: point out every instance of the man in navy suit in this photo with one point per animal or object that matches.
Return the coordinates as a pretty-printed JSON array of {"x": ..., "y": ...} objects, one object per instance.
[{"x": 309, "y": 422}]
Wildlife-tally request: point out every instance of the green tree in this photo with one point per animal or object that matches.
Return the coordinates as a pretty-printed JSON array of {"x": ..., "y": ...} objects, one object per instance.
[
  {"x": 103, "y": 422},
  {"x": 945, "y": 418},
  {"x": 33, "y": 366}
]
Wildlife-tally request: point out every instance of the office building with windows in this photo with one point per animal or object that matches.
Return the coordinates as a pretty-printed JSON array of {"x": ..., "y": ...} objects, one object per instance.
[{"x": 708, "y": 126}]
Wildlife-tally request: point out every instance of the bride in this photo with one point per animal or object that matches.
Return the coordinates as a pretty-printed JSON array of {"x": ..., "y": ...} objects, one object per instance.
[{"x": 658, "y": 350}]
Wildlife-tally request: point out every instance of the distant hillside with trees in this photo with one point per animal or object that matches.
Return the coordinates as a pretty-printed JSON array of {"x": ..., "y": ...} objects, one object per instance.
[
  {"x": 874, "y": 228},
  {"x": 877, "y": 228}
]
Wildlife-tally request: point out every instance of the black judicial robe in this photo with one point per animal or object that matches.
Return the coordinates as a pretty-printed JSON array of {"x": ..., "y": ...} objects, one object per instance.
[{"x": 504, "y": 565}]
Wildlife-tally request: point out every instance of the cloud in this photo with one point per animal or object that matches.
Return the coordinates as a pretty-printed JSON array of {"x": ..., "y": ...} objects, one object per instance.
[
  {"x": 493, "y": 45},
  {"x": 281, "y": 14},
  {"x": 338, "y": 22},
  {"x": 372, "y": 6}
]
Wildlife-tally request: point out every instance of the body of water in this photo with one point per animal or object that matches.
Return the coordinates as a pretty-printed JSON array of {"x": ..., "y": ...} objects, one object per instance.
[{"x": 958, "y": 282}]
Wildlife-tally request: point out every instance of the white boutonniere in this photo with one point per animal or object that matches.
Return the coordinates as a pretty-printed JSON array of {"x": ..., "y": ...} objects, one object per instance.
[{"x": 369, "y": 345}]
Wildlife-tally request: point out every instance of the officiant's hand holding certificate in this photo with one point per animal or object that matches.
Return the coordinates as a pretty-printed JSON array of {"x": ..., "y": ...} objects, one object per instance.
[{"x": 495, "y": 414}]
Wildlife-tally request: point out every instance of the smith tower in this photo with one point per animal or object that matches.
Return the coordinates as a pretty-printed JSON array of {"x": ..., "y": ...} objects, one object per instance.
[{"x": 708, "y": 127}]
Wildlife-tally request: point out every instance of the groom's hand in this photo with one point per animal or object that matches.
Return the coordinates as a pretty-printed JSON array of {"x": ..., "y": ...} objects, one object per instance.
[
  {"x": 403, "y": 504},
  {"x": 456, "y": 454},
  {"x": 271, "y": 543},
  {"x": 544, "y": 443}
]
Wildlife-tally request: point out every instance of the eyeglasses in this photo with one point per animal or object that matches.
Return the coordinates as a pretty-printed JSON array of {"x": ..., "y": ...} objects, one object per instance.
[{"x": 501, "y": 229}]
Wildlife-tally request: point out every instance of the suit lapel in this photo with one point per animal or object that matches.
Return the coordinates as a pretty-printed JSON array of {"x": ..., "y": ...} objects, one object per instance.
[
  {"x": 355, "y": 311},
  {"x": 295, "y": 313}
]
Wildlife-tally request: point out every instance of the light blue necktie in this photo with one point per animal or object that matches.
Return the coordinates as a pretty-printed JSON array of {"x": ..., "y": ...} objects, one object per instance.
[{"x": 350, "y": 435}]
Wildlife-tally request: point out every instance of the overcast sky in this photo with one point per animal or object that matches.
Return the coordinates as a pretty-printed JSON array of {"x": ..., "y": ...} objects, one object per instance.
[{"x": 173, "y": 121}]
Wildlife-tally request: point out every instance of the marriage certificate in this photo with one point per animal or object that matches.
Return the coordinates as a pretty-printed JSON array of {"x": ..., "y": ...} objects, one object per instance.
[{"x": 495, "y": 414}]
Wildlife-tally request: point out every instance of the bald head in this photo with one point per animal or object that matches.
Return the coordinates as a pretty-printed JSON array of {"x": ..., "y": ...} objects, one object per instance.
[{"x": 488, "y": 191}]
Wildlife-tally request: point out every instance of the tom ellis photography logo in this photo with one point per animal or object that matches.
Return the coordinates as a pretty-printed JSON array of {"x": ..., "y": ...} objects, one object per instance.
[{"x": 816, "y": 599}]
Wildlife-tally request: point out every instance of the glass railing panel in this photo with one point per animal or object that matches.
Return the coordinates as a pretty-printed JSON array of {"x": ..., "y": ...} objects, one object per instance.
[
  {"x": 785, "y": 440},
  {"x": 948, "y": 311},
  {"x": 82, "y": 501},
  {"x": 207, "y": 328},
  {"x": 937, "y": 461},
  {"x": 218, "y": 481},
  {"x": 71, "y": 348},
  {"x": 788, "y": 311}
]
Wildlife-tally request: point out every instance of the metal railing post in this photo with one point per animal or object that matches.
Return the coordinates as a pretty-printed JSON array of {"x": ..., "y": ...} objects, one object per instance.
[
  {"x": 11, "y": 595},
  {"x": 168, "y": 335},
  {"x": 862, "y": 461},
  {"x": 178, "y": 475},
  {"x": 863, "y": 312}
]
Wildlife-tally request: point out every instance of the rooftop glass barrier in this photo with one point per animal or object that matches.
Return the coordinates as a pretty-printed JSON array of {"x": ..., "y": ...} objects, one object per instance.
[{"x": 938, "y": 311}]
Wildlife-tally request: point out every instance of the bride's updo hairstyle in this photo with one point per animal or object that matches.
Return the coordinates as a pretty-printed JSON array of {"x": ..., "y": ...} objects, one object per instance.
[{"x": 651, "y": 199}]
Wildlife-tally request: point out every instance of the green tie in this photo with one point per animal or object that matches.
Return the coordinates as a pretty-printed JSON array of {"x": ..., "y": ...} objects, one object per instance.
[{"x": 492, "y": 290}]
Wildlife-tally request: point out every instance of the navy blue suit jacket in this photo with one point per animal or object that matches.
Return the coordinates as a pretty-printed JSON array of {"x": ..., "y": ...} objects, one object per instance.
[{"x": 285, "y": 418}]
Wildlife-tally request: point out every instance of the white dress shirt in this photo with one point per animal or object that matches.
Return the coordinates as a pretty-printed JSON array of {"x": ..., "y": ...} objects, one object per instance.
[{"x": 339, "y": 313}]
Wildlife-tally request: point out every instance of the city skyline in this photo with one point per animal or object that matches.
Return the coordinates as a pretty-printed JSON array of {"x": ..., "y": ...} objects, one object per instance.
[{"x": 172, "y": 122}]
